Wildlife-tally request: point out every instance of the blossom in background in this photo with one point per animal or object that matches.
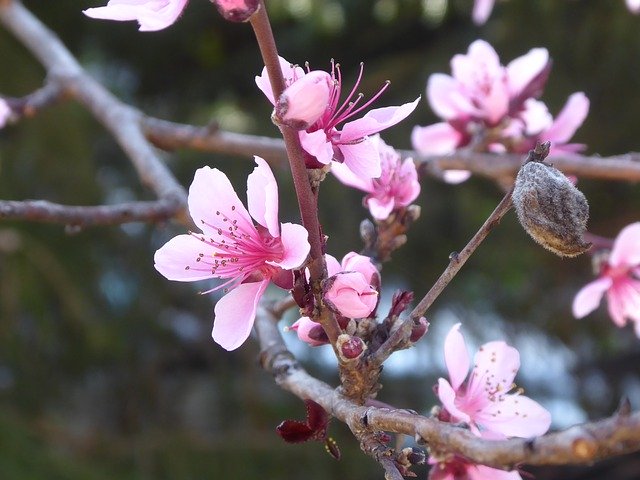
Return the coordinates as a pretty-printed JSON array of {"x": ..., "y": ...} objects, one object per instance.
[
  {"x": 396, "y": 187},
  {"x": 456, "y": 467},
  {"x": 5, "y": 112},
  {"x": 484, "y": 402},
  {"x": 309, "y": 332},
  {"x": 232, "y": 247},
  {"x": 493, "y": 108},
  {"x": 331, "y": 137},
  {"x": 151, "y": 15},
  {"x": 619, "y": 279},
  {"x": 482, "y": 9}
]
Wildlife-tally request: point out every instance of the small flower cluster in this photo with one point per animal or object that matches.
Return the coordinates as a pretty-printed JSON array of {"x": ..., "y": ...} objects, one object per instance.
[
  {"x": 486, "y": 402},
  {"x": 482, "y": 9},
  {"x": 619, "y": 279},
  {"x": 491, "y": 107}
]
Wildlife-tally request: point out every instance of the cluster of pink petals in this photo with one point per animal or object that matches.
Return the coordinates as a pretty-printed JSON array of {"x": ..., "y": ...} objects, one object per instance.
[
  {"x": 396, "y": 187},
  {"x": 311, "y": 102},
  {"x": 151, "y": 15},
  {"x": 353, "y": 293},
  {"x": 232, "y": 247},
  {"x": 484, "y": 401},
  {"x": 482, "y": 9},
  {"x": 619, "y": 279},
  {"x": 5, "y": 113},
  {"x": 483, "y": 96}
]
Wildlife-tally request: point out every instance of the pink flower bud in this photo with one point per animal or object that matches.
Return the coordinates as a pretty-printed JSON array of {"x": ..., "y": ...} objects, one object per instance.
[
  {"x": 310, "y": 332},
  {"x": 236, "y": 10},
  {"x": 418, "y": 330},
  {"x": 350, "y": 348},
  {"x": 304, "y": 101},
  {"x": 350, "y": 295}
]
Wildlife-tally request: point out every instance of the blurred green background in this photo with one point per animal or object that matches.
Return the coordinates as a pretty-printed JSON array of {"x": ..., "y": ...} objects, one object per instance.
[{"x": 107, "y": 370}]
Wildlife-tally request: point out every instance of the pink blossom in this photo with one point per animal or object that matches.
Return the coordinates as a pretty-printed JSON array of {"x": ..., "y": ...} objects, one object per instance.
[
  {"x": 458, "y": 468},
  {"x": 633, "y": 6},
  {"x": 232, "y": 247},
  {"x": 482, "y": 11},
  {"x": 396, "y": 187},
  {"x": 619, "y": 279},
  {"x": 151, "y": 15},
  {"x": 325, "y": 141},
  {"x": 5, "y": 112},
  {"x": 310, "y": 332},
  {"x": 304, "y": 101},
  {"x": 484, "y": 401},
  {"x": 352, "y": 286}
]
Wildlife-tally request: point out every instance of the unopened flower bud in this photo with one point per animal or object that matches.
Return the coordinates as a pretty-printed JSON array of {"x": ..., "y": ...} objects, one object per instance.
[
  {"x": 420, "y": 327},
  {"x": 350, "y": 348},
  {"x": 236, "y": 10},
  {"x": 310, "y": 332},
  {"x": 304, "y": 101},
  {"x": 350, "y": 294},
  {"x": 549, "y": 207}
]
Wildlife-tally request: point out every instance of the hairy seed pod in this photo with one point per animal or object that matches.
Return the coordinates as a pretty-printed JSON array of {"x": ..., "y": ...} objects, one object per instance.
[{"x": 550, "y": 208}]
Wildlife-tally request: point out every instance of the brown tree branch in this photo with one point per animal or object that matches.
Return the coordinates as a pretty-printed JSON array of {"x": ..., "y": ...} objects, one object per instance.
[
  {"x": 87, "y": 216},
  {"x": 124, "y": 122},
  {"x": 581, "y": 444}
]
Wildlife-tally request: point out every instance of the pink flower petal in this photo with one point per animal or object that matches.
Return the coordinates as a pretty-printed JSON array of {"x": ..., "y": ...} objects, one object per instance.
[
  {"x": 362, "y": 158},
  {"x": 444, "y": 97},
  {"x": 568, "y": 120},
  {"x": 290, "y": 73},
  {"x": 235, "y": 314},
  {"x": 262, "y": 197},
  {"x": 351, "y": 295},
  {"x": 456, "y": 357},
  {"x": 317, "y": 145},
  {"x": 151, "y": 15},
  {"x": 350, "y": 179},
  {"x": 455, "y": 177},
  {"x": 447, "y": 396},
  {"x": 626, "y": 248},
  {"x": 523, "y": 70},
  {"x": 615, "y": 305},
  {"x": 333, "y": 266},
  {"x": 495, "y": 104},
  {"x": 481, "y": 11},
  {"x": 437, "y": 139},
  {"x": 376, "y": 120},
  {"x": 178, "y": 259},
  {"x": 482, "y": 472},
  {"x": 495, "y": 367},
  {"x": 481, "y": 61},
  {"x": 380, "y": 208},
  {"x": 633, "y": 6},
  {"x": 515, "y": 416},
  {"x": 305, "y": 100},
  {"x": 353, "y": 261},
  {"x": 295, "y": 246},
  {"x": 589, "y": 297},
  {"x": 212, "y": 187}
]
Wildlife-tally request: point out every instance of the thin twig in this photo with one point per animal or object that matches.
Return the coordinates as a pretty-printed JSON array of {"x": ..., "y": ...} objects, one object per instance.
[{"x": 87, "y": 216}]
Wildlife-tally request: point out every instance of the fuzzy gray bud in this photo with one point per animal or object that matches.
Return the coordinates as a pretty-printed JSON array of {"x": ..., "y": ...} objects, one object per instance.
[{"x": 550, "y": 208}]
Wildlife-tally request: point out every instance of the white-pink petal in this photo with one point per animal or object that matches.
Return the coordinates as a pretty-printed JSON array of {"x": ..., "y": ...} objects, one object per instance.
[
  {"x": 235, "y": 313},
  {"x": 633, "y": 6},
  {"x": 5, "y": 112},
  {"x": 496, "y": 363},
  {"x": 305, "y": 100},
  {"x": 350, "y": 179},
  {"x": 380, "y": 208},
  {"x": 515, "y": 416},
  {"x": 262, "y": 197},
  {"x": 317, "y": 145},
  {"x": 295, "y": 245},
  {"x": 447, "y": 396},
  {"x": 446, "y": 99},
  {"x": 437, "y": 139},
  {"x": 590, "y": 296},
  {"x": 362, "y": 158},
  {"x": 455, "y": 177},
  {"x": 626, "y": 247},
  {"x": 151, "y": 15},
  {"x": 212, "y": 199},
  {"x": 522, "y": 70},
  {"x": 568, "y": 120},
  {"x": 376, "y": 120},
  {"x": 481, "y": 11},
  {"x": 289, "y": 72},
  {"x": 179, "y": 259},
  {"x": 456, "y": 357}
]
